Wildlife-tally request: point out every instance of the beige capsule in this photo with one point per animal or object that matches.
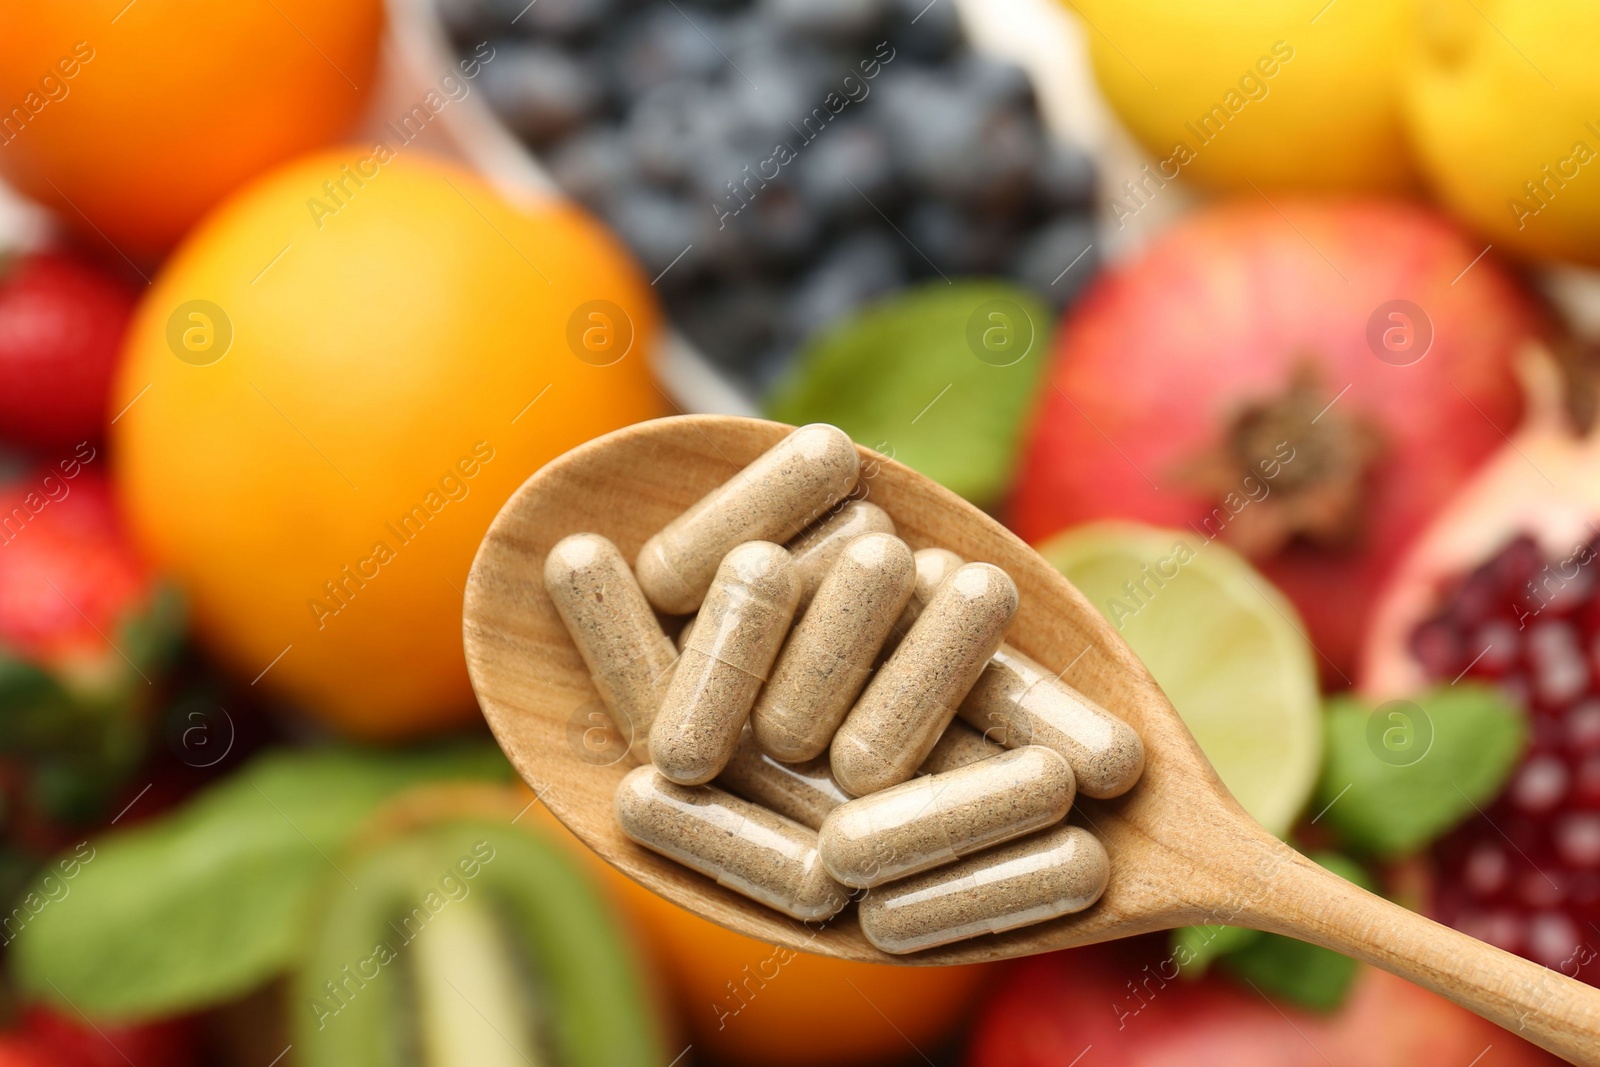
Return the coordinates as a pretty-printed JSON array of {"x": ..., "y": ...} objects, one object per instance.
[
  {"x": 1030, "y": 880},
  {"x": 804, "y": 792},
  {"x": 829, "y": 655},
  {"x": 617, "y": 634},
  {"x": 743, "y": 846},
  {"x": 958, "y": 746},
  {"x": 1018, "y": 702},
  {"x": 736, "y": 637},
  {"x": 934, "y": 565},
  {"x": 816, "y": 550},
  {"x": 772, "y": 499},
  {"x": 939, "y": 818},
  {"x": 914, "y": 695}
]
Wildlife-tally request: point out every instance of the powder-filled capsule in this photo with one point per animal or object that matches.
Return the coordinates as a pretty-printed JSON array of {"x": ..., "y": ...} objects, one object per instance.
[
  {"x": 934, "y": 565},
  {"x": 617, "y": 635},
  {"x": 736, "y": 636},
  {"x": 743, "y": 846},
  {"x": 817, "y": 549},
  {"x": 829, "y": 656},
  {"x": 958, "y": 746},
  {"x": 804, "y": 792},
  {"x": 938, "y": 818},
  {"x": 1018, "y": 702},
  {"x": 914, "y": 695},
  {"x": 772, "y": 499},
  {"x": 1030, "y": 880}
]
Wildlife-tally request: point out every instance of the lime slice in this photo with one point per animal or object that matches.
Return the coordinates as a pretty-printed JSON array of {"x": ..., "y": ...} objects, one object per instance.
[{"x": 1225, "y": 645}]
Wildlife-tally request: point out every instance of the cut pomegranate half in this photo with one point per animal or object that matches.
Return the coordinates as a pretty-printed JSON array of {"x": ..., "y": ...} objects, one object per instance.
[{"x": 1504, "y": 589}]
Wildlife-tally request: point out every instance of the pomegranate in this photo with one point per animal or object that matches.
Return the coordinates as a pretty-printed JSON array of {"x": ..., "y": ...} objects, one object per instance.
[
  {"x": 1502, "y": 589},
  {"x": 1308, "y": 384}
]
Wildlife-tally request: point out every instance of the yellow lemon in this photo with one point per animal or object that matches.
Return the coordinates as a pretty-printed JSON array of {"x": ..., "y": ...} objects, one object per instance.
[
  {"x": 331, "y": 389},
  {"x": 1301, "y": 94},
  {"x": 1503, "y": 101}
]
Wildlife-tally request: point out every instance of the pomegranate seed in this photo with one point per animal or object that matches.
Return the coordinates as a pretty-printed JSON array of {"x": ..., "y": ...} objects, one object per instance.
[
  {"x": 1577, "y": 839},
  {"x": 1560, "y": 673},
  {"x": 1486, "y": 871},
  {"x": 1540, "y": 785},
  {"x": 1552, "y": 938},
  {"x": 1500, "y": 643},
  {"x": 1502, "y": 929},
  {"x": 1525, "y": 873},
  {"x": 1583, "y": 726}
]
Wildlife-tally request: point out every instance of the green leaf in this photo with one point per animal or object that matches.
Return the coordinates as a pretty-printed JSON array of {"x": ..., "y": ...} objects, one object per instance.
[
  {"x": 1308, "y": 975},
  {"x": 1398, "y": 776},
  {"x": 903, "y": 377},
  {"x": 209, "y": 902},
  {"x": 1201, "y": 946}
]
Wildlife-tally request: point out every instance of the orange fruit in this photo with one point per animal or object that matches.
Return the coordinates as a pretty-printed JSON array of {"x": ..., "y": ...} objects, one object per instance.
[
  {"x": 133, "y": 118},
  {"x": 330, "y": 390},
  {"x": 743, "y": 1001}
]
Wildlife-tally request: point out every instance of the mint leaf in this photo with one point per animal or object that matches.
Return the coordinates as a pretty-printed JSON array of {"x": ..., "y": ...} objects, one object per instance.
[
  {"x": 1399, "y": 775},
  {"x": 1308, "y": 975},
  {"x": 941, "y": 377},
  {"x": 209, "y": 902},
  {"x": 1198, "y": 947}
]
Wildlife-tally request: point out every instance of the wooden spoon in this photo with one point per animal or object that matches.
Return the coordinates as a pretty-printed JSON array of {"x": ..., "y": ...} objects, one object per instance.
[{"x": 1182, "y": 849}]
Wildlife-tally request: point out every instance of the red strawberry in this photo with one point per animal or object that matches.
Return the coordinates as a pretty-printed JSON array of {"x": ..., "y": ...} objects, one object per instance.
[
  {"x": 61, "y": 327},
  {"x": 83, "y": 626}
]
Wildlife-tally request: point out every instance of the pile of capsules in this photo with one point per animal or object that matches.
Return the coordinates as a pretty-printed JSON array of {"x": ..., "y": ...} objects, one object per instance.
[{"x": 888, "y": 741}]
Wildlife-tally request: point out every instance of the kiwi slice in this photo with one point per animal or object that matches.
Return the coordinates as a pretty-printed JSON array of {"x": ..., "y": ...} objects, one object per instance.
[{"x": 465, "y": 941}]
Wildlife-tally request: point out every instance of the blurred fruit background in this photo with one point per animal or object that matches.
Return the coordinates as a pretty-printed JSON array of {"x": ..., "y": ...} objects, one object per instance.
[{"x": 1275, "y": 326}]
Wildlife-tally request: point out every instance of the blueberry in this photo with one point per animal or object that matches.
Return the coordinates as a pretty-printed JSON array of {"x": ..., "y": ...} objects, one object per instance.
[
  {"x": 953, "y": 241},
  {"x": 593, "y": 165},
  {"x": 857, "y": 270},
  {"x": 840, "y": 23},
  {"x": 466, "y": 21},
  {"x": 732, "y": 324},
  {"x": 567, "y": 20},
  {"x": 778, "y": 226},
  {"x": 658, "y": 227},
  {"x": 845, "y": 172},
  {"x": 668, "y": 128},
  {"x": 540, "y": 91},
  {"x": 923, "y": 30},
  {"x": 1065, "y": 242},
  {"x": 665, "y": 44},
  {"x": 1065, "y": 175},
  {"x": 998, "y": 83}
]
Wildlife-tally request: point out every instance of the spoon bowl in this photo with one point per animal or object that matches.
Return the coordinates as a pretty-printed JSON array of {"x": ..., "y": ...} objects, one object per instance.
[{"x": 1182, "y": 849}]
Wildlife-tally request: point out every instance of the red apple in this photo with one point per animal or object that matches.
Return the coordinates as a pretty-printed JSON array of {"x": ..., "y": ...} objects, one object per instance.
[{"x": 1114, "y": 1000}]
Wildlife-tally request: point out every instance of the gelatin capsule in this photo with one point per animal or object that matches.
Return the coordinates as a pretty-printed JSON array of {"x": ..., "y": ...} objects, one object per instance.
[
  {"x": 939, "y": 818},
  {"x": 958, "y": 746},
  {"x": 829, "y": 655},
  {"x": 1033, "y": 879},
  {"x": 934, "y": 565},
  {"x": 816, "y": 550},
  {"x": 804, "y": 792},
  {"x": 1018, "y": 702},
  {"x": 772, "y": 499},
  {"x": 629, "y": 658},
  {"x": 914, "y": 695},
  {"x": 736, "y": 637},
  {"x": 742, "y": 846}
]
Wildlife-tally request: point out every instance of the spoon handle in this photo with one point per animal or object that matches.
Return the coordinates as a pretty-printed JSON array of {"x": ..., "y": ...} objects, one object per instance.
[{"x": 1289, "y": 894}]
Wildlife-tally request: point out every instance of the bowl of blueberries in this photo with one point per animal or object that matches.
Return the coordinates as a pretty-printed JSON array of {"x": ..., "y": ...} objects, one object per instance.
[{"x": 774, "y": 165}]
